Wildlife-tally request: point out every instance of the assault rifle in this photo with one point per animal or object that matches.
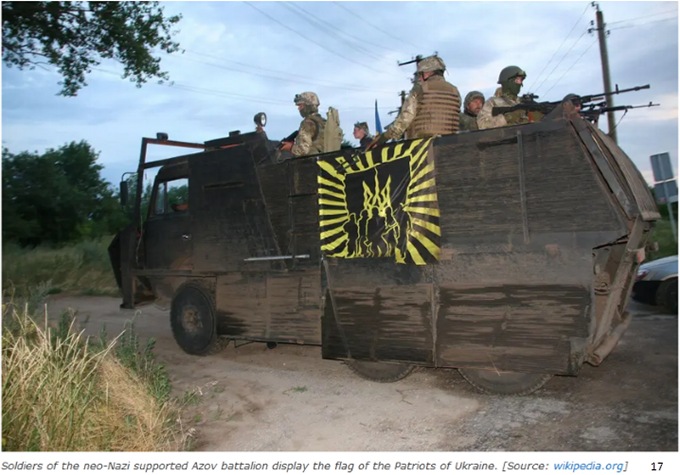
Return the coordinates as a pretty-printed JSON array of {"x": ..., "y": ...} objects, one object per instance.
[
  {"x": 290, "y": 138},
  {"x": 528, "y": 104}
]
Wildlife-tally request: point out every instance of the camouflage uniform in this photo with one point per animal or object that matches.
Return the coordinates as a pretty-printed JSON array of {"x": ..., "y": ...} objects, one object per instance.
[
  {"x": 507, "y": 98},
  {"x": 311, "y": 132},
  {"x": 468, "y": 120},
  {"x": 431, "y": 108},
  {"x": 486, "y": 121}
]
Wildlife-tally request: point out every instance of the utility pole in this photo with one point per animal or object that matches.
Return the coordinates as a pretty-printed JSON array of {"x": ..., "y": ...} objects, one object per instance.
[{"x": 602, "y": 37}]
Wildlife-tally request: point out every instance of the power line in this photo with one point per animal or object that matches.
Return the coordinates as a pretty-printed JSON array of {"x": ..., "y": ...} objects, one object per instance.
[
  {"x": 298, "y": 81},
  {"x": 376, "y": 27},
  {"x": 560, "y": 47},
  {"x": 570, "y": 67},
  {"x": 305, "y": 78},
  {"x": 558, "y": 64},
  {"x": 361, "y": 40},
  {"x": 643, "y": 24},
  {"x": 311, "y": 40},
  {"x": 317, "y": 22},
  {"x": 641, "y": 17},
  {"x": 225, "y": 95}
]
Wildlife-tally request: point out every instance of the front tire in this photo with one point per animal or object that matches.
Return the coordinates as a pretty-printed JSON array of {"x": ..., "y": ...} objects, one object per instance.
[
  {"x": 504, "y": 382},
  {"x": 380, "y": 372},
  {"x": 193, "y": 322}
]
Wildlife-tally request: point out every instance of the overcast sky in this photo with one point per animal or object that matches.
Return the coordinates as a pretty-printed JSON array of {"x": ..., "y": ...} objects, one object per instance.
[{"x": 243, "y": 58}]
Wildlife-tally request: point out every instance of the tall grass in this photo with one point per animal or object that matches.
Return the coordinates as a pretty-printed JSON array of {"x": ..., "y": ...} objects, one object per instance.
[
  {"x": 64, "y": 392},
  {"x": 83, "y": 268},
  {"x": 663, "y": 235}
]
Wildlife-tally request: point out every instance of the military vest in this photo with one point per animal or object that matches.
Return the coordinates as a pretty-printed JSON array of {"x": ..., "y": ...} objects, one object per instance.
[
  {"x": 438, "y": 109},
  {"x": 318, "y": 137}
]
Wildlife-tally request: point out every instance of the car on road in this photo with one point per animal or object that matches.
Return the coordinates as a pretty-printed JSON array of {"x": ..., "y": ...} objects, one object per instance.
[{"x": 657, "y": 283}]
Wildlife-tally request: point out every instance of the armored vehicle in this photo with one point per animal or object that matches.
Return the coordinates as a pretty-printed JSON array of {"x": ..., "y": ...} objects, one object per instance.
[{"x": 508, "y": 253}]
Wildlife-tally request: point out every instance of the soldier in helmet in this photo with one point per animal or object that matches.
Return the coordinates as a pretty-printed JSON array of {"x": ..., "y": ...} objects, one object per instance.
[
  {"x": 510, "y": 79},
  {"x": 575, "y": 99},
  {"x": 310, "y": 135},
  {"x": 362, "y": 134},
  {"x": 431, "y": 108},
  {"x": 474, "y": 101}
]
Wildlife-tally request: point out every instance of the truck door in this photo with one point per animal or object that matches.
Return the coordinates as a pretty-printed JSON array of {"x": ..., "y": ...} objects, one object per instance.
[{"x": 168, "y": 239}]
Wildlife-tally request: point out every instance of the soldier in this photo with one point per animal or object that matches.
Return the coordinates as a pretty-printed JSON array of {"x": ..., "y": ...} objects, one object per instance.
[
  {"x": 362, "y": 134},
  {"x": 310, "y": 139},
  {"x": 471, "y": 107},
  {"x": 431, "y": 108},
  {"x": 575, "y": 99},
  {"x": 510, "y": 79}
]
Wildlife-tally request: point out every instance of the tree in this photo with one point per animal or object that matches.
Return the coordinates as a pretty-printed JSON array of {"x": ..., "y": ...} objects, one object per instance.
[
  {"x": 74, "y": 36},
  {"x": 57, "y": 197}
]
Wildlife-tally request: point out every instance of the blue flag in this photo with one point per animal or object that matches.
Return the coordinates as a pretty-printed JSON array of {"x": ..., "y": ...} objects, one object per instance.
[{"x": 378, "y": 127}]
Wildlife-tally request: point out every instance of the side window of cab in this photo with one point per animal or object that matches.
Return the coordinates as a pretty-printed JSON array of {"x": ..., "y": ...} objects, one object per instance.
[{"x": 172, "y": 196}]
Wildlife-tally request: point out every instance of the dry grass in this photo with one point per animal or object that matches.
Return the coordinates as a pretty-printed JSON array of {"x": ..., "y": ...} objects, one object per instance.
[{"x": 62, "y": 392}]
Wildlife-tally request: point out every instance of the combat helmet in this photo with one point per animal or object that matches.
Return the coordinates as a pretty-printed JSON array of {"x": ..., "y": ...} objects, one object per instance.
[
  {"x": 509, "y": 73},
  {"x": 431, "y": 63},
  {"x": 363, "y": 126},
  {"x": 472, "y": 95},
  {"x": 307, "y": 98}
]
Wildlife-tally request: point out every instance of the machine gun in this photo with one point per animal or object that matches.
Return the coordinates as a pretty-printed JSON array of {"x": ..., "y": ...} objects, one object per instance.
[
  {"x": 594, "y": 111},
  {"x": 527, "y": 101}
]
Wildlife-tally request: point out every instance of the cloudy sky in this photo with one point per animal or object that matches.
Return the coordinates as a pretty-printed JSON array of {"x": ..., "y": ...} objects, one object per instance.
[{"x": 241, "y": 58}]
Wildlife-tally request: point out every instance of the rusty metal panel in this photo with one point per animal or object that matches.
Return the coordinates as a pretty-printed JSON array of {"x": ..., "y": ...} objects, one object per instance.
[
  {"x": 386, "y": 323},
  {"x": 510, "y": 327},
  {"x": 511, "y": 189},
  {"x": 230, "y": 218},
  {"x": 631, "y": 177},
  {"x": 282, "y": 307}
]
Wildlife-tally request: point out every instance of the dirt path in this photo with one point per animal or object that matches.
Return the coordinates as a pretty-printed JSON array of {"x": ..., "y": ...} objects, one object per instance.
[{"x": 289, "y": 399}]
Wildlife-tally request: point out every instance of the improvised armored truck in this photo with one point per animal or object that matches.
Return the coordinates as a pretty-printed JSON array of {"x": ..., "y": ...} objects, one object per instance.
[{"x": 508, "y": 253}]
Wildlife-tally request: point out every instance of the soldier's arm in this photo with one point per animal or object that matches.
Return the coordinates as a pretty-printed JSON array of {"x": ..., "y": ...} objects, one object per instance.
[
  {"x": 486, "y": 121},
  {"x": 406, "y": 116},
  {"x": 303, "y": 141}
]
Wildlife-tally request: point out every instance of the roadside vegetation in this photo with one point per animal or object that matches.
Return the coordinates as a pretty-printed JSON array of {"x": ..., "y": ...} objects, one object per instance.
[
  {"x": 82, "y": 268},
  {"x": 662, "y": 234},
  {"x": 63, "y": 391}
]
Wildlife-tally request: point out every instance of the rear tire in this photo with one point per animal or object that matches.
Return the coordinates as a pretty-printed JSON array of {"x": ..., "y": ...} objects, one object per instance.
[
  {"x": 505, "y": 382},
  {"x": 667, "y": 295},
  {"x": 193, "y": 322},
  {"x": 380, "y": 372}
]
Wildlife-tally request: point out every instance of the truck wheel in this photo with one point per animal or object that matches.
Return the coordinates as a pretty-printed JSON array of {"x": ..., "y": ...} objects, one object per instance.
[
  {"x": 193, "y": 323},
  {"x": 493, "y": 382},
  {"x": 667, "y": 295},
  {"x": 380, "y": 372}
]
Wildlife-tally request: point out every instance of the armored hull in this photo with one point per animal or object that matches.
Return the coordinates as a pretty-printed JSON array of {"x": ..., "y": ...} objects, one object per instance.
[{"x": 508, "y": 253}]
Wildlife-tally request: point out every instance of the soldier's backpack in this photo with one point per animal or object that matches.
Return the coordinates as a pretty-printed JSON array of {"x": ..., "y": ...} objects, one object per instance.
[{"x": 333, "y": 134}]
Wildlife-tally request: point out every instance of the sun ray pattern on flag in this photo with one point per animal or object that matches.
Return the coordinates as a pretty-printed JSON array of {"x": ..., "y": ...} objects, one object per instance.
[{"x": 380, "y": 203}]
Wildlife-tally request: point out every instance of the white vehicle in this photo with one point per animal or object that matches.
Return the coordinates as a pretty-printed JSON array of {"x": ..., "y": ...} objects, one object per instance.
[{"x": 657, "y": 283}]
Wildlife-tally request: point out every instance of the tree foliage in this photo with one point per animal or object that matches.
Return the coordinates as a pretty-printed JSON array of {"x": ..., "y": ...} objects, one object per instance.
[
  {"x": 57, "y": 197},
  {"x": 74, "y": 36}
]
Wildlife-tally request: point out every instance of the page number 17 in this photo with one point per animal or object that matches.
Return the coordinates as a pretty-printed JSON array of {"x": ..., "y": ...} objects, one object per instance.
[{"x": 655, "y": 465}]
